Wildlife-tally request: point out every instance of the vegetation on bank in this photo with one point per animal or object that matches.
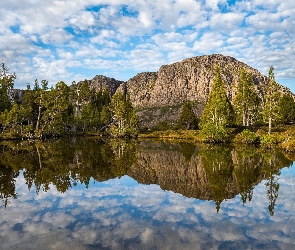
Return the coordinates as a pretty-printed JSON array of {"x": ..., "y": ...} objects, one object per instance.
[
  {"x": 282, "y": 136},
  {"x": 78, "y": 109},
  {"x": 244, "y": 121},
  {"x": 62, "y": 110}
]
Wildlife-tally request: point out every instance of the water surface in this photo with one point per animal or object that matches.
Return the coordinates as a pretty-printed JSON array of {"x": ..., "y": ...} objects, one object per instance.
[{"x": 91, "y": 194}]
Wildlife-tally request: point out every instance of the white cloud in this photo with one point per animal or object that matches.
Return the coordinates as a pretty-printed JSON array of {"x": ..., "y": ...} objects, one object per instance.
[
  {"x": 213, "y": 4},
  {"x": 58, "y": 36},
  {"x": 208, "y": 42},
  {"x": 171, "y": 30},
  {"x": 226, "y": 21}
]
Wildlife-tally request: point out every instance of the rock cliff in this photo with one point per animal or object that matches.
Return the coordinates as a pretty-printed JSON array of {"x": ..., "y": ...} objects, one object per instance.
[
  {"x": 190, "y": 79},
  {"x": 158, "y": 96}
]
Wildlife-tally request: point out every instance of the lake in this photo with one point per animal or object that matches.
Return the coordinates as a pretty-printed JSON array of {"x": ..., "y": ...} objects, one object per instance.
[{"x": 87, "y": 193}]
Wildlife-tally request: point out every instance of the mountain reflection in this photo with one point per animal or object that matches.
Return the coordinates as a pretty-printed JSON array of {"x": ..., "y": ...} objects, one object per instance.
[{"x": 203, "y": 172}]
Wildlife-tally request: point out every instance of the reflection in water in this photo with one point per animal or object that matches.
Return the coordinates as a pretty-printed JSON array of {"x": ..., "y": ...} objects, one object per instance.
[
  {"x": 209, "y": 172},
  {"x": 44, "y": 184}
]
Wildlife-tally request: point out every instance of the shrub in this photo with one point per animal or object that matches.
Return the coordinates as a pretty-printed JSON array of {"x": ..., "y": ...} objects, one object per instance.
[
  {"x": 289, "y": 145},
  {"x": 268, "y": 140},
  {"x": 162, "y": 126},
  {"x": 248, "y": 137},
  {"x": 214, "y": 134}
]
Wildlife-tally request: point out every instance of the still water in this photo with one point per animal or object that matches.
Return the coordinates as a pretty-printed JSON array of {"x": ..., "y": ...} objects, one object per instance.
[{"x": 91, "y": 194}]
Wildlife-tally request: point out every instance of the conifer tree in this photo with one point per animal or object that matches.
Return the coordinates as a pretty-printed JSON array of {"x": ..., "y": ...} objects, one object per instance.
[
  {"x": 271, "y": 112},
  {"x": 218, "y": 109},
  {"x": 247, "y": 102},
  {"x": 6, "y": 84},
  {"x": 58, "y": 111},
  {"x": 287, "y": 109},
  {"x": 125, "y": 121},
  {"x": 187, "y": 119}
]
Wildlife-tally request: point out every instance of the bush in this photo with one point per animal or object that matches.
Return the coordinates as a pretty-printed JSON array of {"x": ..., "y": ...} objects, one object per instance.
[
  {"x": 289, "y": 145},
  {"x": 214, "y": 134},
  {"x": 163, "y": 126},
  {"x": 248, "y": 137},
  {"x": 268, "y": 140}
]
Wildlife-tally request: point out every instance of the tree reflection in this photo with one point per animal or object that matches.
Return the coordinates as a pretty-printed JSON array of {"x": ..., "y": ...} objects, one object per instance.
[
  {"x": 218, "y": 165},
  {"x": 7, "y": 185},
  {"x": 209, "y": 172},
  {"x": 271, "y": 169}
]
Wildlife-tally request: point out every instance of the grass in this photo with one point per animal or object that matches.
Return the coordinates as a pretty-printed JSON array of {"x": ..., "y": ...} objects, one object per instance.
[{"x": 282, "y": 136}]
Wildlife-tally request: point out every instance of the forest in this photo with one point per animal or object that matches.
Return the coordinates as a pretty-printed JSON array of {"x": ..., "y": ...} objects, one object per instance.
[{"x": 60, "y": 110}]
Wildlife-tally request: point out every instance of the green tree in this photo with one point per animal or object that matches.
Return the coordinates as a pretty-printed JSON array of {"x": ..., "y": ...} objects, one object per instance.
[
  {"x": 6, "y": 79},
  {"x": 187, "y": 119},
  {"x": 218, "y": 109},
  {"x": 271, "y": 112},
  {"x": 58, "y": 112},
  {"x": 80, "y": 95},
  {"x": 247, "y": 102},
  {"x": 40, "y": 97},
  {"x": 4, "y": 100},
  {"x": 30, "y": 108},
  {"x": 6, "y": 85},
  {"x": 125, "y": 121},
  {"x": 287, "y": 109},
  {"x": 105, "y": 116},
  {"x": 217, "y": 113}
]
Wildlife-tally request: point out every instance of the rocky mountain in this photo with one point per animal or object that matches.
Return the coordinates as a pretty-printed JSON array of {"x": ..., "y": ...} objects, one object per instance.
[
  {"x": 103, "y": 82},
  {"x": 158, "y": 96},
  {"x": 190, "y": 79}
]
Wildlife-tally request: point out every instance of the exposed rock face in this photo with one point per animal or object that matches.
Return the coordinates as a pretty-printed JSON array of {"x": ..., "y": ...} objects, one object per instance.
[
  {"x": 103, "y": 82},
  {"x": 16, "y": 94},
  {"x": 158, "y": 96},
  {"x": 190, "y": 79}
]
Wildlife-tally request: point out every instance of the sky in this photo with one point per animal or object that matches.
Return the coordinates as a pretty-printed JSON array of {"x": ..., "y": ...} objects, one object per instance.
[{"x": 62, "y": 40}]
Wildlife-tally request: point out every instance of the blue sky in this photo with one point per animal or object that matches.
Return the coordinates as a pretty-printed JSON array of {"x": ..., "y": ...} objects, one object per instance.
[{"x": 76, "y": 40}]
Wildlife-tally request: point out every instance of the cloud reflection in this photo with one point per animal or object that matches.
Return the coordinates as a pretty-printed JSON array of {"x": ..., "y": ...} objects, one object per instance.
[{"x": 113, "y": 216}]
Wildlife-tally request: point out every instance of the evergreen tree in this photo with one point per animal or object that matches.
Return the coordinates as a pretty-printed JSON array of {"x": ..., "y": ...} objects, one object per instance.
[
  {"x": 287, "y": 109},
  {"x": 58, "y": 113},
  {"x": 6, "y": 79},
  {"x": 124, "y": 118},
  {"x": 187, "y": 119},
  {"x": 4, "y": 100},
  {"x": 218, "y": 109},
  {"x": 271, "y": 112},
  {"x": 40, "y": 98},
  {"x": 247, "y": 102},
  {"x": 217, "y": 113},
  {"x": 6, "y": 85}
]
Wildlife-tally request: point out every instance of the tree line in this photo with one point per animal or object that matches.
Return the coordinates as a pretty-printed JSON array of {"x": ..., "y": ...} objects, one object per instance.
[
  {"x": 62, "y": 109},
  {"x": 247, "y": 108}
]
